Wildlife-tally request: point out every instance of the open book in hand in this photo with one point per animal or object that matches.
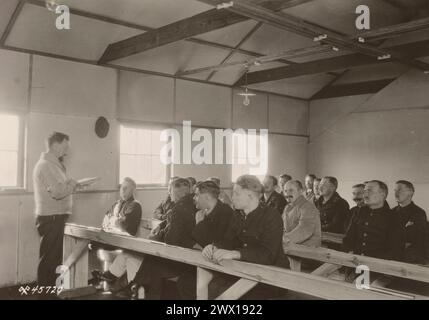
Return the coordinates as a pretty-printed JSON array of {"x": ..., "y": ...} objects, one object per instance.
[{"x": 88, "y": 181}]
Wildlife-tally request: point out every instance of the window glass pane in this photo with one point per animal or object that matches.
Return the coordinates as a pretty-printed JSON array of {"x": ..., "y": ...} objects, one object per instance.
[
  {"x": 140, "y": 155},
  {"x": 9, "y": 132},
  {"x": 127, "y": 166},
  {"x": 142, "y": 173},
  {"x": 128, "y": 140},
  {"x": 8, "y": 168},
  {"x": 156, "y": 143},
  {"x": 9, "y": 147},
  {"x": 159, "y": 170},
  {"x": 143, "y": 141}
]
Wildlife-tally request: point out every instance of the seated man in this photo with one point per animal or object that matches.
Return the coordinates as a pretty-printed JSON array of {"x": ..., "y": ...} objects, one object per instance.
[
  {"x": 212, "y": 221},
  {"x": 213, "y": 217},
  {"x": 254, "y": 234},
  {"x": 316, "y": 189},
  {"x": 124, "y": 218},
  {"x": 301, "y": 220},
  {"x": 309, "y": 184},
  {"x": 410, "y": 225},
  {"x": 357, "y": 192},
  {"x": 271, "y": 197},
  {"x": 192, "y": 182},
  {"x": 176, "y": 230},
  {"x": 333, "y": 209},
  {"x": 283, "y": 178},
  {"x": 165, "y": 205},
  {"x": 371, "y": 231},
  {"x": 222, "y": 195}
]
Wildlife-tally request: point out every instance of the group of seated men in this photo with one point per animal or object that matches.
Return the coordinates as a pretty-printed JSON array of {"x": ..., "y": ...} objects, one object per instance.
[{"x": 258, "y": 223}]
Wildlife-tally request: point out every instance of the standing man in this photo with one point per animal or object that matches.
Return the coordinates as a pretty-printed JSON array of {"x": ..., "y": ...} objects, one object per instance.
[
  {"x": 271, "y": 197},
  {"x": 333, "y": 209},
  {"x": 410, "y": 226},
  {"x": 53, "y": 202}
]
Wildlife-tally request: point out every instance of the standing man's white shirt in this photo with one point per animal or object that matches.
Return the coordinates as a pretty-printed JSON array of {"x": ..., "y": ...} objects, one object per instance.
[{"x": 52, "y": 189}]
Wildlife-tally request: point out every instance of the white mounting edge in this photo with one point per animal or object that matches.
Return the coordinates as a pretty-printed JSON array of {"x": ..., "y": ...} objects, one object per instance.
[{"x": 225, "y": 5}]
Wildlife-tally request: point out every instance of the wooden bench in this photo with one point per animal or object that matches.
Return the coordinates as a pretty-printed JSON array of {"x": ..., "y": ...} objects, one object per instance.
[
  {"x": 76, "y": 257},
  {"x": 334, "y": 238}
]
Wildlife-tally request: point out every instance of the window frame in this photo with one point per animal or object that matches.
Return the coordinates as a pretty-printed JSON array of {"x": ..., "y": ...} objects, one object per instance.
[
  {"x": 21, "y": 156},
  {"x": 147, "y": 126}
]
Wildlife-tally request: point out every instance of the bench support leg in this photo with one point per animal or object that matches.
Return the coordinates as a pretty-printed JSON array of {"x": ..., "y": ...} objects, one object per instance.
[{"x": 203, "y": 279}]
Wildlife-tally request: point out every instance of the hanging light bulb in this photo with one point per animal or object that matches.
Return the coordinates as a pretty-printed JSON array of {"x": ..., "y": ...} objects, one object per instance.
[
  {"x": 246, "y": 94},
  {"x": 246, "y": 100}
]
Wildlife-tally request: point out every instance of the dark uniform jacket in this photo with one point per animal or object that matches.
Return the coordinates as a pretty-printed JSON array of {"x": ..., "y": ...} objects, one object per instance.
[
  {"x": 333, "y": 213},
  {"x": 371, "y": 233},
  {"x": 176, "y": 228},
  {"x": 276, "y": 201},
  {"x": 129, "y": 214},
  {"x": 212, "y": 229},
  {"x": 410, "y": 232},
  {"x": 348, "y": 220},
  {"x": 258, "y": 236},
  {"x": 163, "y": 208}
]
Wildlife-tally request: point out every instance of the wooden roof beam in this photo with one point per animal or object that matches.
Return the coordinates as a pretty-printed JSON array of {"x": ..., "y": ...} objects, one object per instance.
[
  {"x": 198, "y": 24},
  {"x": 411, "y": 50}
]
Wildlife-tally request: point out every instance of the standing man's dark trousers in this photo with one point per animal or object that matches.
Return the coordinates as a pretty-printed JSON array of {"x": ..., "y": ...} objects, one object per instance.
[{"x": 51, "y": 231}]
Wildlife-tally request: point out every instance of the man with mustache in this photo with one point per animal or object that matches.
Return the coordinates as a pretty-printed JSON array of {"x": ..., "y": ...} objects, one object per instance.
[{"x": 301, "y": 220}]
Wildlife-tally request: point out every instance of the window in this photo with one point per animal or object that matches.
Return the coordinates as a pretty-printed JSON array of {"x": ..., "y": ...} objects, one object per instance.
[
  {"x": 11, "y": 151},
  {"x": 140, "y": 160},
  {"x": 249, "y": 154}
]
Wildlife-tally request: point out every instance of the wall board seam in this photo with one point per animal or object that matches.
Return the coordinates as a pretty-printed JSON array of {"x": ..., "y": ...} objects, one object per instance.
[{"x": 393, "y": 109}]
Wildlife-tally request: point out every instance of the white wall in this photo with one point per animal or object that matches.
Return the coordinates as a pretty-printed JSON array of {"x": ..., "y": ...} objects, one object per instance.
[
  {"x": 383, "y": 136},
  {"x": 69, "y": 97}
]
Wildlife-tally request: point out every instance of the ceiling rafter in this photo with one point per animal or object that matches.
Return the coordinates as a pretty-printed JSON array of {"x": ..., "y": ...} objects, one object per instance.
[
  {"x": 413, "y": 50},
  {"x": 369, "y": 36},
  {"x": 231, "y": 53},
  {"x": 12, "y": 21},
  {"x": 204, "y": 22}
]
